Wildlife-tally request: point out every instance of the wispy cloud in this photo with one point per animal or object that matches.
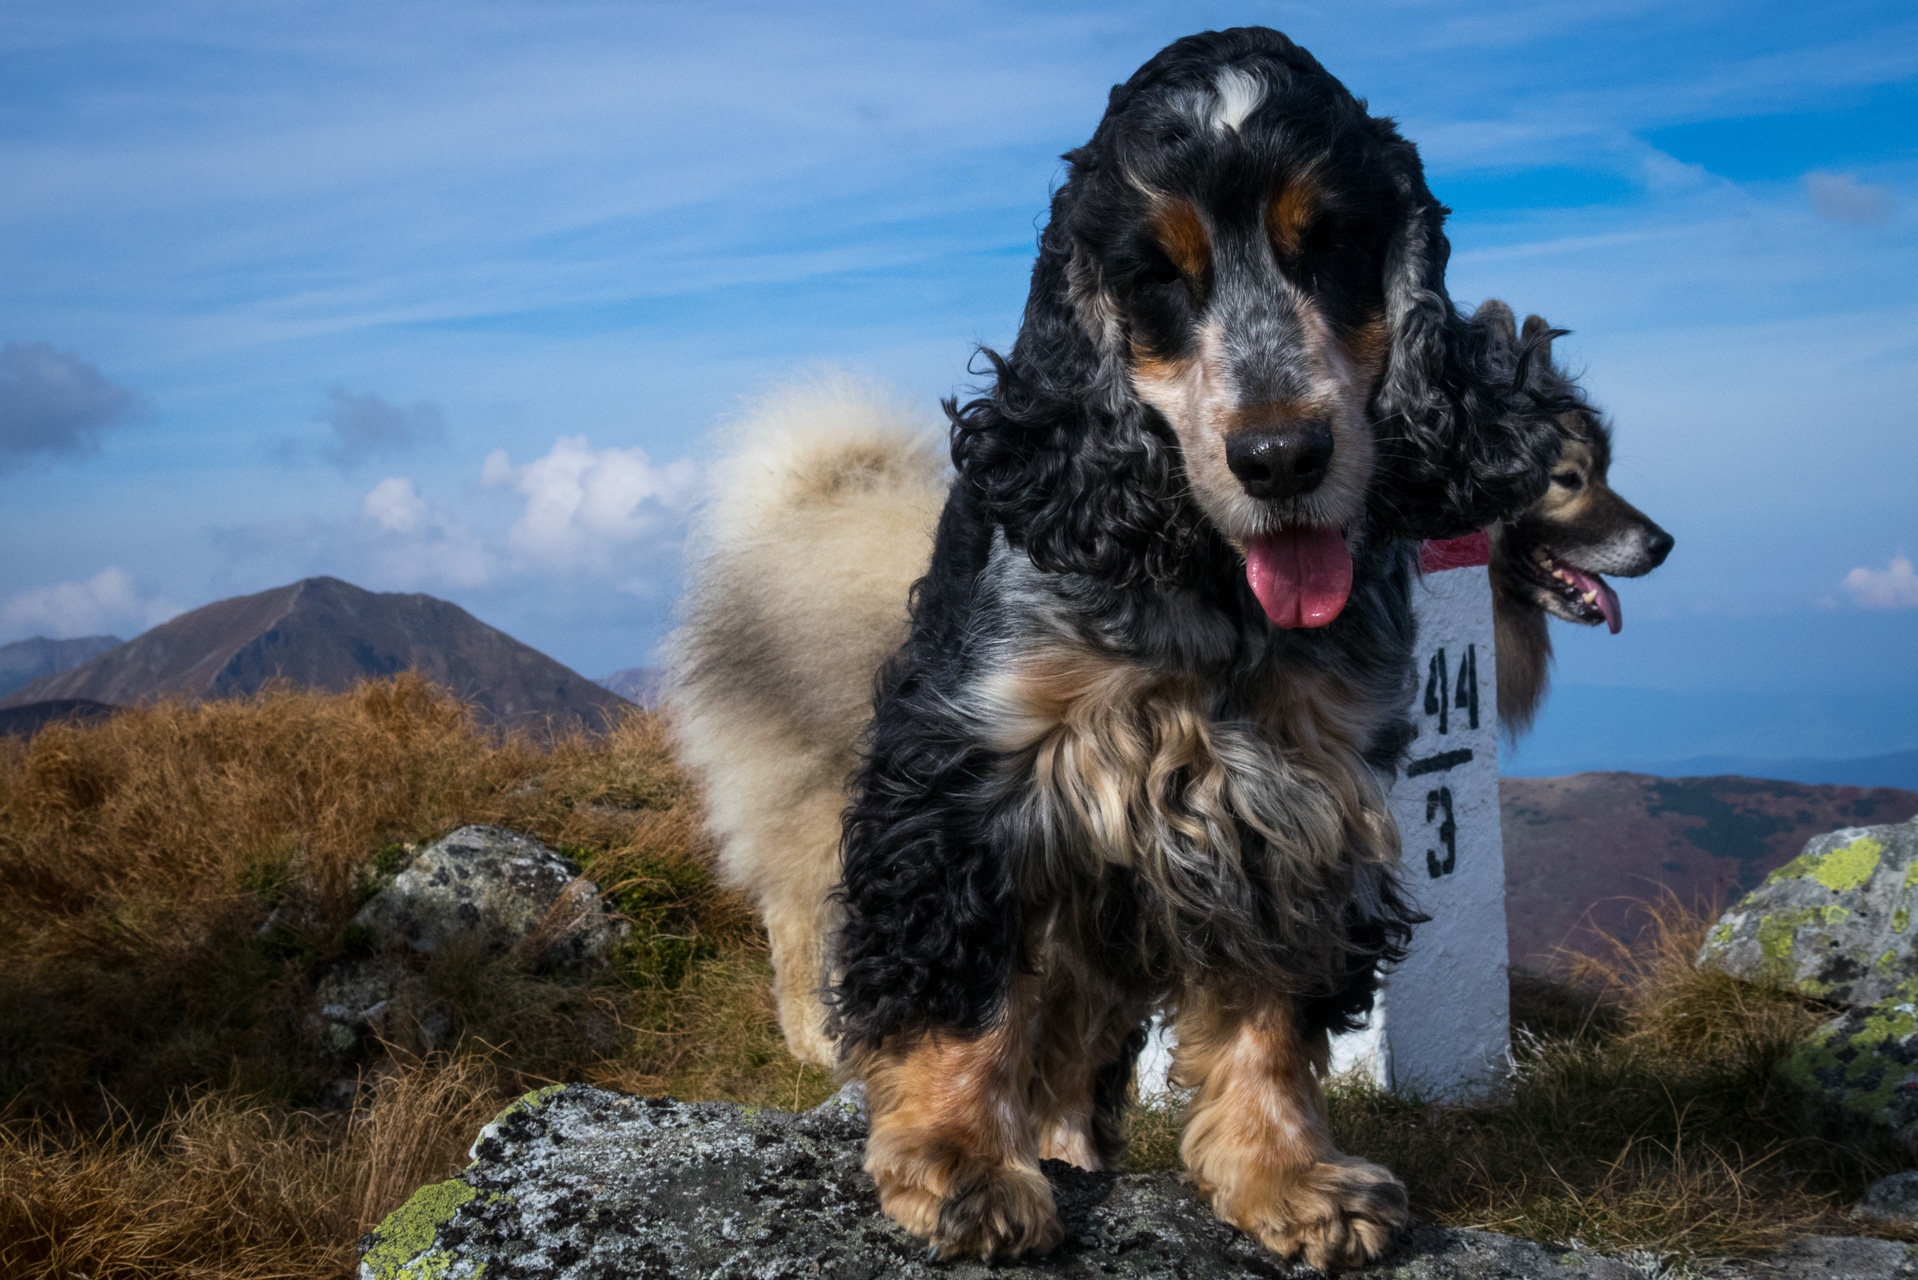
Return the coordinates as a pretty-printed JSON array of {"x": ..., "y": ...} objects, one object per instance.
[
  {"x": 54, "y": 402},
  {"x": 1843, "y": 198},
  {"x": 365, "y": 425},
  {"x": 1893, "y": 587},
  {"x": 110, "y": 601}
]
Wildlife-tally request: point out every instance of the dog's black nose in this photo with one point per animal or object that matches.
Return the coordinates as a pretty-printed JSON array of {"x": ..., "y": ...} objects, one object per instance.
[
  {"x": 1660, "y": 546},
  {"x": 1280, "y": 461}
]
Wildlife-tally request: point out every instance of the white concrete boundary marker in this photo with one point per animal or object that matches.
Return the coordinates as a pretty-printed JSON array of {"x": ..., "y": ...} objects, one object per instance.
[{"x": 1442, "y": 1026}]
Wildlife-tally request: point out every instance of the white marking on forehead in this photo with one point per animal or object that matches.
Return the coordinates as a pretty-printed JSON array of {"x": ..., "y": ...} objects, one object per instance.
[{"x": 1240, "y": 93}]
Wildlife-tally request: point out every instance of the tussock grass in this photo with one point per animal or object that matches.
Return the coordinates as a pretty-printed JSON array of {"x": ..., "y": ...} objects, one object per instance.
[
  {"x": 179, "y": 879},
  {"x": 1642, "y": 1113},
  {"x": 226, "y": 1185}
]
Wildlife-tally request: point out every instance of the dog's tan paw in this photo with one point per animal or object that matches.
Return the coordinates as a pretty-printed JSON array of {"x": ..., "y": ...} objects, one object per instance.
[
  {"x": 1338, "y": 1214},
  {"x": 996, "y": 1213},
  {"x": 1002, "y": 1216}
]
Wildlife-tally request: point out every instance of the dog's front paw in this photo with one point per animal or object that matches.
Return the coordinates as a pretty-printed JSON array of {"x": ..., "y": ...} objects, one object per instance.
[
  {"x": 970, "y": 1210},
  {"x": 1339, "y": 1213}
]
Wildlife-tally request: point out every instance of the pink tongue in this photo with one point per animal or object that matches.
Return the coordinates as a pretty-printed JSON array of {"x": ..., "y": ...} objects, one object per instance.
[
  {"x": 1607, "y": 598},
  {"x": 1301, "y": 576}
]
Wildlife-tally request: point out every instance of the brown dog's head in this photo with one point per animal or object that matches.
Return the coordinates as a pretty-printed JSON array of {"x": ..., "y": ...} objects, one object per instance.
[
  {"x": 1553, "y": 556},
  {"x": 1557, "y": 551}
]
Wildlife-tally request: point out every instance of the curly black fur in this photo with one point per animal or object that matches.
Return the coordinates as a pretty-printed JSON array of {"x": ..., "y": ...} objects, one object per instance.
[{"x": 1073, "y": 510}]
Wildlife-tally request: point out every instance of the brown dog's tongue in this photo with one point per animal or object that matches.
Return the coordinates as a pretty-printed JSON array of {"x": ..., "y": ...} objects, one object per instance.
[{"x": 1301, "y": 576}]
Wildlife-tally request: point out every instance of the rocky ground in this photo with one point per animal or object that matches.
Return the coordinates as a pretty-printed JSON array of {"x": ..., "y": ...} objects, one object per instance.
[{"x": 574, "y": 1181}]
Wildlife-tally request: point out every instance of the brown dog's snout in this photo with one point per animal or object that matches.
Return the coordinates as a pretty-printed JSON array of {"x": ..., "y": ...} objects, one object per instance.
[{"x": 1280, "y": 461}]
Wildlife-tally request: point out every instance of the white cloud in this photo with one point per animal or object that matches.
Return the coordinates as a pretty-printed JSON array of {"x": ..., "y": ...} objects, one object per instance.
[
  {"x": 1893, "y": 587},
  {"x": 412, "y": 543},
  {"x": 108, "y": 602},
  {"x": 584, "y": 504},
  {"x": 1843, "y": 198},
  {"x": 396, "y": 506}
]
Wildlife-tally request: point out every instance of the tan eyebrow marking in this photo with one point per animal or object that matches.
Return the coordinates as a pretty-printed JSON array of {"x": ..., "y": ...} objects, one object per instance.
[
  {"x": 1290, "y": 212},
  {"x": 1180, "y": 231}
]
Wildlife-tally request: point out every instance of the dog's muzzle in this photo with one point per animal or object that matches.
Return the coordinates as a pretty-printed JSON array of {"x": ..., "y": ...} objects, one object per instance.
[{"x": 1273, "y": 462}]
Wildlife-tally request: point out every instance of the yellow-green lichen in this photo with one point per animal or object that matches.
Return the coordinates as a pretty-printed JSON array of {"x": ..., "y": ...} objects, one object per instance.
[
  {"x": 1901, "y": 917},
  {"x": 1845, "y": 867},
  {"x": 401, "y": 1245},
  {"x": 527, "y": 1102},
  {"x": 1720, "y": 937},
  {"x": 1844, "y": 1065}
]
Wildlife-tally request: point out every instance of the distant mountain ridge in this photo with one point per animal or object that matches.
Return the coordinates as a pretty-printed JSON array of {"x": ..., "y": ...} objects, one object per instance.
[
  {"x": 1582, "y": 851},
  {"x": 323, "y": 633},
  {"x": 24, "y": 661},
  {"x": 1893, "y": 769},
  {"x": 635, "y": 684}
]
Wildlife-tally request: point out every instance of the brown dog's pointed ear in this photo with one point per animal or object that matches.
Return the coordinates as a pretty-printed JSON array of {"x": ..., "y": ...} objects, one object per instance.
[
  {"x": 1499, "y": 322},
  {"x": 1534, "y": 325}
]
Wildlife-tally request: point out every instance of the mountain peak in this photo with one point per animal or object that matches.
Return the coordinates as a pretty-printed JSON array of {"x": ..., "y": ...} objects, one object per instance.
[{"x": 326, "y": 633}]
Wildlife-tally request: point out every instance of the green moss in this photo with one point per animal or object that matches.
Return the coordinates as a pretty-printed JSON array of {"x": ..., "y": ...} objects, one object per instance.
[{"x": 401, "y": 1244}]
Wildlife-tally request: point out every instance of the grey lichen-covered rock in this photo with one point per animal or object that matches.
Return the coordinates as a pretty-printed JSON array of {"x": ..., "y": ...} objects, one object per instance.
[
  {"x": 574, "y": 1182},
  {"x": 1891, "y": 1202},
  {"x": 1835, "y": 922},
  {"x": 1864, "y": 1064},
  {"x": 500, "y": 889},
  {"x": 1834, "y": 1258}
]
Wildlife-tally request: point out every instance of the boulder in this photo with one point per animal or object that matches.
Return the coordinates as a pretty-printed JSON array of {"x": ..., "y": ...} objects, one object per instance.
[
  {"x": 1863, "y": 1065},
  {"x": 483, "y": 888},
  {"x": 499, "y": 889},
  {"x": 1891, "y": 1203},
  {"x": 575, "y": 1181},
  {"x": 1834, "y": 923}
]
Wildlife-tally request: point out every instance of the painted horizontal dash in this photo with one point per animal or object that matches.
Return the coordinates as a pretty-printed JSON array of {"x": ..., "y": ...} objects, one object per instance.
[{"x": 1434, "y": 764}]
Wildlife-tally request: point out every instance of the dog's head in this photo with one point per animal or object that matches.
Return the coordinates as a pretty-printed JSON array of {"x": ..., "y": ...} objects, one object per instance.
[
  {"x": 1239, "y": 343},
  {"x": 1554, "y": 554}
]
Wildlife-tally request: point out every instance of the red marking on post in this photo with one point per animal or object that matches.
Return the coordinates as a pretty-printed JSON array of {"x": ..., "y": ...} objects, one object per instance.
[{"x": 1455, "y": 553}]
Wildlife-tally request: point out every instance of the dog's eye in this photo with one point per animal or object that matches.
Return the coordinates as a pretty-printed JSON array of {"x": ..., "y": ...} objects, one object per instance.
[
  {"x": 1570, "y": 480},
  {"x": 1159, "y": 269}
]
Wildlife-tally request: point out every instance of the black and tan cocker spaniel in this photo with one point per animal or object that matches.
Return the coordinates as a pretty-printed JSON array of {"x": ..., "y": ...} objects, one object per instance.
[{"x": 1125, "y": 748}]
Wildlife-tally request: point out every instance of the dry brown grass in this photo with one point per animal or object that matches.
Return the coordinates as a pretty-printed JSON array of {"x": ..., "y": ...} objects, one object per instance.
[
  {"x": 1643, "y": 1113},
  {"x": 178, "y": 880},
  {"x": 162, "y": 1094},
  {"x": 230, "y": 1186}
]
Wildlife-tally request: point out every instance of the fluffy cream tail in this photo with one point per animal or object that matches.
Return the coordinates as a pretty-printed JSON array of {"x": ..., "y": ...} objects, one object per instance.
[{"x": 799, "y": 569}]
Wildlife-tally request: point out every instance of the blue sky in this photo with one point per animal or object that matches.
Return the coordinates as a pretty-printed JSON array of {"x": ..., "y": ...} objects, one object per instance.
[{"x": 449, "y": 297}]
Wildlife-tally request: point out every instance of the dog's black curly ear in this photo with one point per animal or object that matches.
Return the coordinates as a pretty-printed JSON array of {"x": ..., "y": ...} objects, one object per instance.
[
  {"x": 1460, "y": 444},
  {"x": 1067, "y": 463}
]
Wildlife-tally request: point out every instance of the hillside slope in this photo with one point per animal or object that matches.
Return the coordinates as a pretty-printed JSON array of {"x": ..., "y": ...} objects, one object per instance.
[
  {"x": 325, "y": 634},
  {"x": 1580, "y": 851}
]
